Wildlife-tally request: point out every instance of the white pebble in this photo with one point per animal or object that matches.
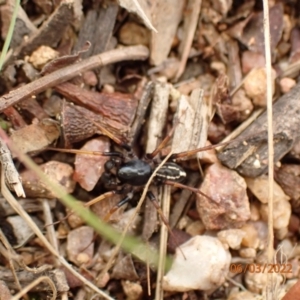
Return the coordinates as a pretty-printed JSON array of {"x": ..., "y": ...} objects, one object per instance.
[{"x": 205, "y": 267}]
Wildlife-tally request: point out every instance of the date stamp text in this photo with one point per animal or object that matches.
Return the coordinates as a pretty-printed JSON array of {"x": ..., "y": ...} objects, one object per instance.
[{"x": 261, "y": 268}]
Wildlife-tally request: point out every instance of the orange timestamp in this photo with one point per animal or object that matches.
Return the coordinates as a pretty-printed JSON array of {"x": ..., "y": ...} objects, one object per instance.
[{"x": 261, "y": 268}]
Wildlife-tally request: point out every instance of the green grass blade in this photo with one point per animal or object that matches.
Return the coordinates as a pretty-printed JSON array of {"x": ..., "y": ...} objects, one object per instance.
[{"x": 9, "y": 34}]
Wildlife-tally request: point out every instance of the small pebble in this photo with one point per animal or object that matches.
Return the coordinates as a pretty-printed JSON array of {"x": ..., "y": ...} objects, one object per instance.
[
  {"x": 256, "y": 281},
  {"x": 242, "y": 296},
  {"x": 82, "y": 258},
  {"x": 281, "y": 214},
  {"x": 286, "y": 84},
  {"x": 90, "y": 78},
  {"x": 42, "y": 56},
  {"x": 250, "y": 239},
  {"x": 196, "y": 228},
  {"x": 226, "y": 204},
  {"x": 133, "y": 34},
  {"x": 258, "y": 187},
  {"x": 231, "y": 237},
  {"x": 281, "y": 233},
  {"x": 132, "y": 290},
  {"x": 255, "y": 86},
  {"x": 254, "y": 210},
  {"x": 80, "y": 243},
  {"x": 251, "y": 60},
  {"x": 102, "y": 282},
  {"x": 247, "y": 253},
  {"x": 205, "y": 258}
]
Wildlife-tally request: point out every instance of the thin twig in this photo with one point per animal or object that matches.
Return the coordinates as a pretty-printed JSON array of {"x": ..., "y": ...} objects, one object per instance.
[
  {"x": 9, "y": 254},
  {"x": 35, "y": 283},
  {"x": 241, "y": 128},
  {"x": 69, "y": 72},
  {"x": 48, "y": 220},
  {"x": 270, "y": 251}
]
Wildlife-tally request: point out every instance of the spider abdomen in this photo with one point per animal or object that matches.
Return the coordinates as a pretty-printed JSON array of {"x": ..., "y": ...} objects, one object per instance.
[
  {"x": 135, "y": 172},
  {"x": 171, "y": 171}
]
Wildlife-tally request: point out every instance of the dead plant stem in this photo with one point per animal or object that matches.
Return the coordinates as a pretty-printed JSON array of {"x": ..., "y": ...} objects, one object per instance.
[
  {"x": 270, "y": 250},
  {"x": 69, "y": 72}
]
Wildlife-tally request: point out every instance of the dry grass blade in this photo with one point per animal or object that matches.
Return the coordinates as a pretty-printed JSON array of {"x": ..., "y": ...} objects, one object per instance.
[
  {"x": 270, "y": 284},
  {"x": 166, "y": 199},
  {"x": 9, "y": 253},
  {"x": 35, "y": 283},
  {"x": 19, "y": 209}
]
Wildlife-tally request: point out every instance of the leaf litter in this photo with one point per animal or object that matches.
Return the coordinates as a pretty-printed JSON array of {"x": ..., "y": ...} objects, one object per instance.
[{"x": 214, "y": 54}]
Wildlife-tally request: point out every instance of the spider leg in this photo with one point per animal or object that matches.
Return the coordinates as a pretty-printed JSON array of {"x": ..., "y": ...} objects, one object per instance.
[
  {"x": 76, "y": 151},
  {"x": 153, "y": 200},
  {"x": 87, "y": 204},
  {"x": 189, "y": 188},
  {"x": 165, "y": 141},
  {"x": 125, "y": 200}
]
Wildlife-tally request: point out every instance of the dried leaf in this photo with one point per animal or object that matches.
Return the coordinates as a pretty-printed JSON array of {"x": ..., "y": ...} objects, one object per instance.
[{"x": 35, "y": 136}]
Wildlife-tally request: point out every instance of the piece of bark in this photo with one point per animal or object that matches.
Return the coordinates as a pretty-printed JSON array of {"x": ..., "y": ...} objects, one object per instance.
[
  {"x": 97, "y": 29},
  {"x": 150, "y": 221},
  {"x": 158, "y": 115},
  {"x": 30, "y": 205},
  {"x": 193, "y": 115},
  {"x": 79, "y": 124},
  {"x": 33, "y": 108},
  {"x": 249, "y": 154},
  {"x": 22, "y": 27},
  {"x": 50, "y": 33},
  {"x": 249, "y": 32},
  {"x": 234, "y": 66},
  {"x": 166, "y": 17},
  {"x": 14, "y": 117},
  {"x": 288, "y": 176},
  {"x": 144, "y": 93},
  {"x": 25, "y": 277},
  {"x": 115, "y": 106}
]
